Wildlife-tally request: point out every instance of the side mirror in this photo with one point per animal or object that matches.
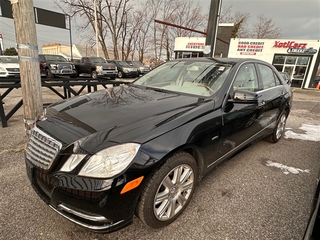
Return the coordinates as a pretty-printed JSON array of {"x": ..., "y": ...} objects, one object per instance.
[{"x": 244, "y": 96}]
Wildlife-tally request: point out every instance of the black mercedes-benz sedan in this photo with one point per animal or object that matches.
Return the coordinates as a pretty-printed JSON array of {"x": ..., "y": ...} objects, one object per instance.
[{"x": 141, "y": 148}]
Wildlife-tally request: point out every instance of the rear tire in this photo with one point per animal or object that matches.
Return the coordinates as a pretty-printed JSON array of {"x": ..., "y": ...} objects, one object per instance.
[
  {"x": 168, "y": 191},
  {"x": 279, "y": 128}
]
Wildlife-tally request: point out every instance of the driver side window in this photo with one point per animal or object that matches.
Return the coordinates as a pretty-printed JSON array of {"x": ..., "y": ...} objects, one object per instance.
[{"x": 246, "y": 78}]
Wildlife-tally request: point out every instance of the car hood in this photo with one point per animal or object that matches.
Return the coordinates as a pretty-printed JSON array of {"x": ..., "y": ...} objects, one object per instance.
[
  {"x": 9, "y": 65},
  {"x": 55, "y": 62},
  {"x": 120, "y": 114}
]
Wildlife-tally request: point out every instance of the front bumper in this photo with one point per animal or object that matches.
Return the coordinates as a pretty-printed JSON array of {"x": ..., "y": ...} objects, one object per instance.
[
  {"x": 9, "y": 74},
  {"x": 63, "y": 72},
  {"x": 94, "y": 204},
  {"x": 107, "y": 73},
  {"x": 131, "y": 74},
  {"x": 78, "y": 217}
]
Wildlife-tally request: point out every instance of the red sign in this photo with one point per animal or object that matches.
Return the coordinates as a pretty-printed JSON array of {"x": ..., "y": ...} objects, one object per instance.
[
  {"x": 0, "y": 35},
  {"x": 250, "y": 48},
  {"x": 289, "y": 44},
  {"x": 195, "y": 44},
  {"x": 248, "y": 53}
]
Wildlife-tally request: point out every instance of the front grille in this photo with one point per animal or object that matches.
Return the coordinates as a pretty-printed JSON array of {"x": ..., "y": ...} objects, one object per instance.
[
  {"x": 64, "y": 66},
  {"x": 108, "y": 68},
  {"x": 12, "y": 69},
  {"x": 42, "y": 149}
]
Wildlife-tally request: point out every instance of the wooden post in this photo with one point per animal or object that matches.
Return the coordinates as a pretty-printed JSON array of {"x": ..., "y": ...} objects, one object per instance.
[{"x": 26, "y": 37}]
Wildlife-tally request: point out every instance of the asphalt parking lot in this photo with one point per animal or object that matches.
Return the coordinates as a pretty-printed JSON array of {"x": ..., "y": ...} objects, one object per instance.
[{"x": 264, "y": 192}]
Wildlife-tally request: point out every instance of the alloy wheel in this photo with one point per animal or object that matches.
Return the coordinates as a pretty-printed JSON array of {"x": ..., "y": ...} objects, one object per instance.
[{"x": 173, "y": 192}]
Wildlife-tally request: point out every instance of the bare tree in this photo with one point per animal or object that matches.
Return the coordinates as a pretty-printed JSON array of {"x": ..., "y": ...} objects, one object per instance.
[
  {"x": 178, "y": 12},
  {"x": 239, "y": 19},
  {"x": 142, "y": 36},
  {"x": 112, "y": 18},
  {"x": 131, "y": 32},
  {"x": 265, "y": 28},
  {"x": 85, "y": 10}
]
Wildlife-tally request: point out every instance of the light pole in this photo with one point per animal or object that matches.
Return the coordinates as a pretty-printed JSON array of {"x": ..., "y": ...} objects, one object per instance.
[
  {"x": 96, "y": 26},
  {"x": 71, "y": 53}
]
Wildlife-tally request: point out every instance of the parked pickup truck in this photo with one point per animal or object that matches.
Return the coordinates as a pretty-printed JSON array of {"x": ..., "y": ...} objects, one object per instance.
[
  {"x": 96, "y": 67},
  {"x": 55, "y": 65}
]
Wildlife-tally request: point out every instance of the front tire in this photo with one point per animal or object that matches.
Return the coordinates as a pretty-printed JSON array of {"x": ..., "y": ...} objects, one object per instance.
[
  {"x": 168, "y": 191},
  {"x": 94, "y": 75},
  {"x": 279, "y": 129},
  {"x": 76, "y": 75},
  {"x": 49, "y": 74}
]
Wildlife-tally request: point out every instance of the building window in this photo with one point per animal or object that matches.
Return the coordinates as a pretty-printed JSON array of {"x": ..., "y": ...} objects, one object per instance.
[
  {"x": 181, "y": 54},
  {"x": 295, "y": 66}
]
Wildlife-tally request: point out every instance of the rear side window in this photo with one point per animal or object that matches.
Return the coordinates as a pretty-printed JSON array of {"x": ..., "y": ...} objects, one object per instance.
[{"x": 268, "y": 77}]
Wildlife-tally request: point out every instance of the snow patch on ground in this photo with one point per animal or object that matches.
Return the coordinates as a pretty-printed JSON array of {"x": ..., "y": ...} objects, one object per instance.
[
  {"x": 312, "y": 133},
  {"x": 286, "y": 169}
]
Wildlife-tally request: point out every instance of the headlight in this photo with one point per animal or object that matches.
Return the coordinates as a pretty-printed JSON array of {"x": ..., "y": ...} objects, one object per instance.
[
  {"x": 99, "y": 68},
  {"x": 125, "y": 70},
  {"x": 53, "y": 66},
  {"x": 110, "y": 161},
  {"x": 72, "y": 66},
  {"x": 72, "y": 162},
  {"x": 3, "y": 69}
]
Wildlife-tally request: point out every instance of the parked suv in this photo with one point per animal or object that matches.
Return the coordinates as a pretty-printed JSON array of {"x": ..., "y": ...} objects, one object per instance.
[
  {"x": 55, "y": 65},
  {"x": 9, "y": 66},
  {"x": 124, "y": 69},
  {"x": 96, "y": 67},
  {"x": 142, "y": 69}
]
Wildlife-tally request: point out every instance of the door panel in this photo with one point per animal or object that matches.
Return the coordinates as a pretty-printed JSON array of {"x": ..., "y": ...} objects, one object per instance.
[{"x": 240, "y": 120}]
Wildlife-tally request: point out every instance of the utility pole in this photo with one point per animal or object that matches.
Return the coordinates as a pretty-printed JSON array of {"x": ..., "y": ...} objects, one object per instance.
[
  {"x": 212, "y": 27},
  {"x": 26, "y": 38}
]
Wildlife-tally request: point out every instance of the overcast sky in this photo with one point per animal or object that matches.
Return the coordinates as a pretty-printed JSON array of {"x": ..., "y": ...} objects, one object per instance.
[{"x": 297, "y": 19}]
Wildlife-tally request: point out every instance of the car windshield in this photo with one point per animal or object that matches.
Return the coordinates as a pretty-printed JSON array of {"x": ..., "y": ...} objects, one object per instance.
[
  {"x": 135, "y": 63},
  {"x": 56, "y": 58},
  {"x": 13, "y": 59},
  {"x": 124, "y": 64},
  {"x": 98, "y": 60},
  {"x": 201, "y": 78}
]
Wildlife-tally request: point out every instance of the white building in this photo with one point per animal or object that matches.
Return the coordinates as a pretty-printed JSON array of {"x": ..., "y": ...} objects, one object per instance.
[
  {"x": 299, "y": 58},
  {"x": 189, "y": 47}
]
